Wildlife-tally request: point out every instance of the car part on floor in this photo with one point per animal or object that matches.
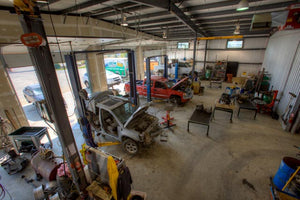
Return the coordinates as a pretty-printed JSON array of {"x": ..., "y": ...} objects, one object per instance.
[{"x": 13, "y": 163}]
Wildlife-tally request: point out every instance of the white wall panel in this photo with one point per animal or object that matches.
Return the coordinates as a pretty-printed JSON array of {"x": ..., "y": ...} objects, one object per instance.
[{"x": 281, "y": 57}]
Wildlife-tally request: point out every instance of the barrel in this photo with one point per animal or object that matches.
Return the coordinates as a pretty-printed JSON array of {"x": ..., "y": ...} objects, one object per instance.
[{"x": 287, "y": 167}]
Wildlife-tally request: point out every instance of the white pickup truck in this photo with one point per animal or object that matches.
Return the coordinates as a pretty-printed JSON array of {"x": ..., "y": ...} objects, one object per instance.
[{"x": 183, "y": 68}]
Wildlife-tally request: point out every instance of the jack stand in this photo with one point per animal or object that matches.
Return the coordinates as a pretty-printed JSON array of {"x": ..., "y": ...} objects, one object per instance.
[{"x": 167, "y": 120}]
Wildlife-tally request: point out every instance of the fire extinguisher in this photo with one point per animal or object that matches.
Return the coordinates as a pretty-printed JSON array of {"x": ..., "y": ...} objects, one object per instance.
[{"x": 291, "y": 118}]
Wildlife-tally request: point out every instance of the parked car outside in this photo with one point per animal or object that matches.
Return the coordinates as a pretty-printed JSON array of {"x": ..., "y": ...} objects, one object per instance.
[
  {"x": 33, "y": 93},
  {"x": 121, "y": 120},
  {"x": 112, "y": 79}
]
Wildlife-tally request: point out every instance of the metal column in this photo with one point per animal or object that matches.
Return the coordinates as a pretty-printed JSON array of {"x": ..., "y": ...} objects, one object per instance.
[
  {"x": 194, "y": 56},
  {"x": 205, "y": 54},
  {"x": 80, "y": 105},
  {"x": 166, "y": 67},
  {"x": 43, "y": 63},
  {"x": 132, "y": 77},
  {"x": 148, "y": 80}
]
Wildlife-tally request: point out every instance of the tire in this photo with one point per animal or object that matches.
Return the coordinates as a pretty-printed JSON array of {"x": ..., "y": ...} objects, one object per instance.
[
  {"x": 87, "y": 84},
  {"x": 130, "y": 146},
  {"x": 175, "y": 100}
]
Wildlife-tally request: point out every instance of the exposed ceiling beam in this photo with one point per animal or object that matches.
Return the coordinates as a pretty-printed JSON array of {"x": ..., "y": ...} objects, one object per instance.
[
  {"x": 222, "y": 24},
  {"x": 214, "y": 5},
  {"x": 168, "y": 5},
  {"x": 282, "y": 5},
  {"x": 162, "y": 13},
  {"x": 82, "y": 6},
  {"x": 159, "y": 26},
  {"x": 221, "y": 19},
  {"x": 174, "y": 19},
  {"x": 125, "y": 10},
  {"x": 242, "y": 32},
  {"x": 182, "y": 27},
  {"x": 110, "y": 8},
  {"x": 208, "y": 29}
]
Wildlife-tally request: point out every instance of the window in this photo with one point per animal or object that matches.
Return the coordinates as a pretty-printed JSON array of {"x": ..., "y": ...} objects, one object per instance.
[
  {"x": 235, "y": 44},
  {"x": 183, "y": 45},
  {"x": 160, "y": 85}
]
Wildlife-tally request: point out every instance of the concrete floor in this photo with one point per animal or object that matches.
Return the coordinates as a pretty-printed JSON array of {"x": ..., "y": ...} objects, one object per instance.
[{"x": 193, "y": 166}]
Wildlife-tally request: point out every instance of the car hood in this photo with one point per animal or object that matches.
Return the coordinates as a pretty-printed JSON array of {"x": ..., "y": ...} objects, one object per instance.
[
  {"x": 139, "y": 111},
  {"x": 179, "y": 83},
  {"x": 39, "y": 97}
]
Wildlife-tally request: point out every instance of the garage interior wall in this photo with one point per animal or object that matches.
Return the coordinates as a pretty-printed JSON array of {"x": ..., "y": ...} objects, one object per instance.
[
  {"x": 250, "y": 60},
  {"x": 9, "y": 101},
  {"x": 282, "y": 61}
]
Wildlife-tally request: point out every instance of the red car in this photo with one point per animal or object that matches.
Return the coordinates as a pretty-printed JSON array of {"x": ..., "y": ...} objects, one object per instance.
[{"x": 164, "y": 89}]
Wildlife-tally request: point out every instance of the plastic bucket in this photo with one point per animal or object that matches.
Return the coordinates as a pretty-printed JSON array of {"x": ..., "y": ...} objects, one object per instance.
[{"x": 287, "y": 167}]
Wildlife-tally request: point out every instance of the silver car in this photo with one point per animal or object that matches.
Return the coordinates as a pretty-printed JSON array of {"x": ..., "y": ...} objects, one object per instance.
[{"x": 118, "y": 118}]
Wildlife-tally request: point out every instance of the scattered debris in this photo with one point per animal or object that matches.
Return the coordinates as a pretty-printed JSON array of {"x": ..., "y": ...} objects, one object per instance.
[{"x": 245, "y": 182}]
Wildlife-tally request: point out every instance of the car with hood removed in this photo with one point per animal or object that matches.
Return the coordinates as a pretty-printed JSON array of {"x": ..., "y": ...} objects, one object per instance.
[
  {"x": 177, "y": 92},
  {"x": 121, "y": 120}
]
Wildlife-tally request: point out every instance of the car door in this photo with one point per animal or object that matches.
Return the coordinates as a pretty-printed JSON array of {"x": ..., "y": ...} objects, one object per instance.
[
  {"x": 109, "y": 124},
  {"x": 160, "y": 90}
]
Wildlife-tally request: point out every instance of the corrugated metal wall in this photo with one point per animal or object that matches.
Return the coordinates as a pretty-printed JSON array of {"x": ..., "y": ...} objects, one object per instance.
[
  {"x": 282, "y": 61},
  {"x": 293, "y": 82}
]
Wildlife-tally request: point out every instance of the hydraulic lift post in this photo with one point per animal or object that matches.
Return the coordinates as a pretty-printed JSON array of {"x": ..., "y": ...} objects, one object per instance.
[
  {"x": 148, "y": 73},
  {"x": 44, "y": 67}
]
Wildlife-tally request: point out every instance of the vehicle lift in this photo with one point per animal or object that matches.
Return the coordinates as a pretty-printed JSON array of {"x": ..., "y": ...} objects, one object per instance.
[
  {"x": 148, "y": 73},
  {"x": 76, "y": 87}
]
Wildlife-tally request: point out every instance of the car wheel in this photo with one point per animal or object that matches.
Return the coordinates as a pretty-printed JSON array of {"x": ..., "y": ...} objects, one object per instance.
[
  {"x": 175, "y": 100},
  {"x": 87, "y": 84},
  {"x": 130, "y": 146}
]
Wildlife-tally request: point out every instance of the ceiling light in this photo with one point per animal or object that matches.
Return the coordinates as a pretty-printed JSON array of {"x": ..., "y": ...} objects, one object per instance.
[
  {"x": 165, "y": 34},
  {"x": 243, "y": 5},
  {"x": 124, "y": 20},
  {"x": 237, "y": 29}
]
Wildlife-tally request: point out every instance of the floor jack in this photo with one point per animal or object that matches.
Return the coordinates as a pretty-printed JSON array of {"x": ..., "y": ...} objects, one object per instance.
[{"x": 168, "y": 124}]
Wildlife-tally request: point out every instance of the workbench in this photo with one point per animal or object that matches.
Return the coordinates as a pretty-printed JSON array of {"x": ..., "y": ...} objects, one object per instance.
[
  {"x": 247, "y": 105},
  {"x": 200, "y": 117},
  {"x": 34, "y": 134},
  {"x": 225, "y": 108}
]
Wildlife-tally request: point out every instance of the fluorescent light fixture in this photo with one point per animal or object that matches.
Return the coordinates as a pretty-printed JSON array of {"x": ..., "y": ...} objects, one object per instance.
[
  {"x": 237, "y": 29},
  {"x": 243, "y": 5},
  {"x": 165, "y": 34},
  {"x": 124, "y": 20}
]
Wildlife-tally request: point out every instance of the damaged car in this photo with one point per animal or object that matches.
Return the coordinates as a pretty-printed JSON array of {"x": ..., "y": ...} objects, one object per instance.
[{"x": 123, "y": 121}]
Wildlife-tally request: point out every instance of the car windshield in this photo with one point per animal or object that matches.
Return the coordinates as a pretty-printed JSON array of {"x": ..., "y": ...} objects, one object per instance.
[
  {"x": 125, "y": 111},
  {"x": 37, "y": 91},
  {"x": 170, "y": 84}
]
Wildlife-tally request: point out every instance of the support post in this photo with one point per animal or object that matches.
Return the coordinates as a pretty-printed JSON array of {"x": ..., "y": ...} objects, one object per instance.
[
  {"x": 176, "y": 70},
  {"x": 44, "y": 67},
  {"x": 80, "y": 105},
  {"x": 194, "y": 56},
  {"x": 148, "y": 80},
  {"x": 166, "y": 66},
  {"x": 132, "y": 77},
  {"x": 205, "y": 54}
]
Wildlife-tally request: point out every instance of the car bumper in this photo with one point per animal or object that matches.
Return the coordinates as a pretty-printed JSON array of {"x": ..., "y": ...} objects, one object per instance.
[{"x": 187, "y": 97}]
